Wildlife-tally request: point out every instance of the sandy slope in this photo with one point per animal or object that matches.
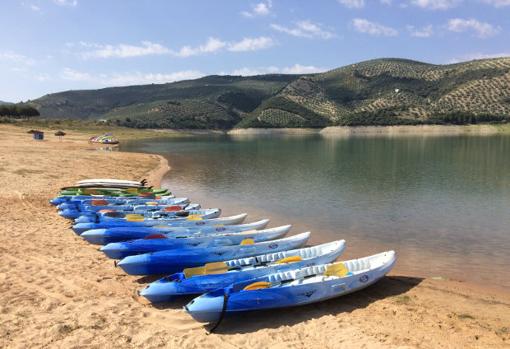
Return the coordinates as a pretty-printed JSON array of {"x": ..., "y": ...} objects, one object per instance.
[{"x": 58, "y": 291}]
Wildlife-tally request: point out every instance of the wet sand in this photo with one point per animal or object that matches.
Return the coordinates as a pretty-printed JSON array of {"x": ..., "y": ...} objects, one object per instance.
[{"x": 58, "y": 291}]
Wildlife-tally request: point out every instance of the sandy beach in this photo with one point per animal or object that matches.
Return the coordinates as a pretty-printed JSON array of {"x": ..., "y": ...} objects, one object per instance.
[{"x": 56, "y": 290}]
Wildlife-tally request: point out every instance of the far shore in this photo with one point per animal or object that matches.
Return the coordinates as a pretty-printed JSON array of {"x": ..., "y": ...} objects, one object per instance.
[
  {"x": 400, "y": 130},
  {"x": 416, "y": 130},
  {"x": 56, "y": 290},
  {"x": 124, "y": 133}
]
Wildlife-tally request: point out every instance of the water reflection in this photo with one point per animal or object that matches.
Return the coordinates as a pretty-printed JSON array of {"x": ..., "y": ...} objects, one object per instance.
[{"x": 442, "y": 202}]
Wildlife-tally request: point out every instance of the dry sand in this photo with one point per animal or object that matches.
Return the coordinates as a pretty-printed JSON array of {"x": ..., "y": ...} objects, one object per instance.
[{"x": 58, "y": 291}]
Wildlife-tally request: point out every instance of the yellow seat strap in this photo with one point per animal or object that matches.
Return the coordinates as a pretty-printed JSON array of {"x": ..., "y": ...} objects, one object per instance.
[
  {"x": 257, "y": 286},
  {"x": 134, "y": 218},
  {"x": 247, "y": 242},
  {"x": 216, "y": 268},
  {"x": 290, "y": 259},
  {"x": 337, "y": 269},
  {"x": 189, "y": 272}
]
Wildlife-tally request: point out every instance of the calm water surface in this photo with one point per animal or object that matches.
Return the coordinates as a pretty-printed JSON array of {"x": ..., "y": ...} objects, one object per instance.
[{"x": 443, "y": 203}]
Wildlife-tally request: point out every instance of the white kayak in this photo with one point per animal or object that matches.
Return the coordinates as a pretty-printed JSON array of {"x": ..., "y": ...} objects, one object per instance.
[
  {"x": 292, "y": 288},
  {"x": 109, "y": 182}
]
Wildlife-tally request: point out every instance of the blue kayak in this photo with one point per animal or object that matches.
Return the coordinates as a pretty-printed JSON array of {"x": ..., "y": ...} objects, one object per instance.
[
  {"x": 171, "y": 261},
  {"x": 78, "y": 198},
  {"x": 97, "y": 205},
  {"x": 129, "y": 217},
  {"x": 106, "y": 236},
  {"x": 292, "y": 288},
  {"x": 145, "y": 210},
  {"x": 222, "y": 274},
  {"x": 84, "y": 215},
  {"x": 190, "y": 221},
  {"x": 119, "y": 250}
]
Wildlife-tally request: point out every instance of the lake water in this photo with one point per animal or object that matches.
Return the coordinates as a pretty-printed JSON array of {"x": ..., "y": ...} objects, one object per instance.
[{"x": 443, "y": 203}]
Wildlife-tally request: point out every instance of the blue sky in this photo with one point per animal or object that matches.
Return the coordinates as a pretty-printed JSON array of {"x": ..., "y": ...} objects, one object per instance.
[{"x": 54, "y": 45}]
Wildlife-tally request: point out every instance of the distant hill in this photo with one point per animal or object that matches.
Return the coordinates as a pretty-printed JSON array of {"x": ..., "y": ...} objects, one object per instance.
[
  {"x": 210, "y": 102},
  {"x": 3, "y": 102},
  {"x": 376, "y": 92}
]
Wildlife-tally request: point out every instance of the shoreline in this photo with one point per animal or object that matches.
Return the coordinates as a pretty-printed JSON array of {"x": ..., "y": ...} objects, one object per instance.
[
  {"x": 415, "y": 130},
  {"x": 156, "y": 176},
  {"x": 330, "y": 131},
  {"x": 57, "y": 290},
  {"x": 398, "y": 130},
  {"x": 355, "y": 248}
]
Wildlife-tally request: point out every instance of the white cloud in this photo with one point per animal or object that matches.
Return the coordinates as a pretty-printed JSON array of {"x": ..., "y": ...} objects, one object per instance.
[
  {"x": 70, "y": 3},
  {"x": 305, "y": 29},
  {"x": 42, "y": 77},
  {"x": 74, "y": 75},
  {"x": 245, "y": 71},
  {"x": 146, "y": 48},
  {"x": 481, "y": 29},
  {"x": 294, "y": 69},
  {"x": 215, "y": 45},
  {"x": 353, "y": 3},
  {"x": 372, "y": 28},
  {"x": 31, "y": 6},
  {"x": 497, "y": 3},
  {"x": 131, "y": 78},
  {"x": 302, "y": 69},
  {"x": 140, "y": 78},
  {"x": 259, "y": 9},
  {"x": 424, "y": 32},
  {"x": 357, "y": 4},
  {"x": 16, "y": 58},
  {"x": 251, "y": 44},
  {"x": 436, "y": 4},
  {"x": 473, "y": 56},
  {"x": 212, "y": 45}
]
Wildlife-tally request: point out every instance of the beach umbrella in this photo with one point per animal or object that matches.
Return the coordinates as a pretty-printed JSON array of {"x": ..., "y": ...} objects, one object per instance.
[
  {"x": 37, "y": 135},
  {"x": 60, "y": 134}
]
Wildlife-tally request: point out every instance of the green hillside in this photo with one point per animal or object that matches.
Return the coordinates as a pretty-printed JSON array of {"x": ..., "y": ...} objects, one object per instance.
[
  {"x": 209, "y": 102},
  {"x": 390, "y": 92},
  {"x": 376, "y": 92}
]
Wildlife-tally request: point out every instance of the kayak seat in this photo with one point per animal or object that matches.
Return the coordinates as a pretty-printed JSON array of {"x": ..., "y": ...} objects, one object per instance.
[
  {"x": 337, "y": 269},
  {"x": 297, "y": 274},
  {"x": 305, "y": 253},
  {"x": 358, "y": 264}
]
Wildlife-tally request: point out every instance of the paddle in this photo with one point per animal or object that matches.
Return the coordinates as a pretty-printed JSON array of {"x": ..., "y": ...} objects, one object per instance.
[
  {"x": 222, "y": 267},
  {"x": 209, "y": 268}
]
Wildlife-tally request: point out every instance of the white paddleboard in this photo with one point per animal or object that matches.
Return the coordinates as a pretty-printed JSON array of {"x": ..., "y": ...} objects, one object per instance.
[{"x": 108, "y": 182}]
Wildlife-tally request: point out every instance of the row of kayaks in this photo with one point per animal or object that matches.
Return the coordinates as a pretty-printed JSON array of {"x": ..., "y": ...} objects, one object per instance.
[
  {"x": 233, "y": 266},
  {"x": 85, "y": 189},
  {"x": 106, "y": 138}
]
